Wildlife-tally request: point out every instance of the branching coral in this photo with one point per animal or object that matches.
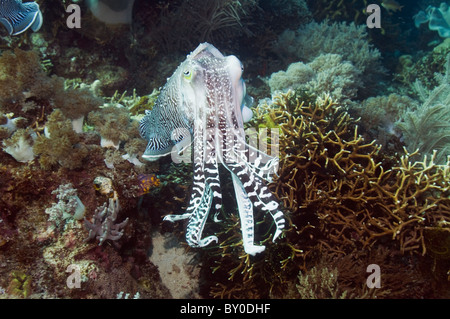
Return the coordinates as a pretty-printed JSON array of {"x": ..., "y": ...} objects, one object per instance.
[
  {"x": 358, "y": 195},
  {"x": 344, "y": 196},
  {"x": 319, "y": 284}
]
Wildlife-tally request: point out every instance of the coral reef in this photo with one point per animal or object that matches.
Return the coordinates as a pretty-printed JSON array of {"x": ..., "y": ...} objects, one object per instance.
[
  {"x": 348, "y": 40},
  {"x": 354, "y": 192},
  {"x": 426, "y": 127},
  {"x": 61, "y": 145},
  {"x": 344, "y": 196},
  {"x": 327, "y": 73},
  {"x": 362, "y": 196},
  {"x": 69, "y": 206}
]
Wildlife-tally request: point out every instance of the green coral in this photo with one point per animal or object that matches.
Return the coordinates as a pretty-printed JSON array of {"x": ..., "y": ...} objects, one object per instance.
[
  {"x": 20, "y": 284},
  {"x": 144, "y": 103},
  {"x": 61, "y": 146}
]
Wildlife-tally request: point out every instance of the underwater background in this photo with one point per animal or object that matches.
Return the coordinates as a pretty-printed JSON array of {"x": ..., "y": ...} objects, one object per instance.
[{"x": 363, "y": 179}]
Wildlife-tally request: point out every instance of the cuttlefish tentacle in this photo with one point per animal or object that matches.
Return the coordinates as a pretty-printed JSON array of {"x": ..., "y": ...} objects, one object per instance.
[
  {"x": 197, "y": 222},
  {"x": 245, "y": 208},
  {"x": 258, "y": 193}
]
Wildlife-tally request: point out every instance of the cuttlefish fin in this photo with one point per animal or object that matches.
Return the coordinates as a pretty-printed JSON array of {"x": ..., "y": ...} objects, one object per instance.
[{"x": 18, "y": 21}]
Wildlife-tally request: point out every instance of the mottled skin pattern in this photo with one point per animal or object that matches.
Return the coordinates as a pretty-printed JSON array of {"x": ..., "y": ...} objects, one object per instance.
[{"x": 205, "y": 97}]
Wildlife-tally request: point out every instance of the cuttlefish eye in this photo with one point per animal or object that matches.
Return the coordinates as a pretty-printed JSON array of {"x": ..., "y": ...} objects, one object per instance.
[{"x": 187, "y": 74}]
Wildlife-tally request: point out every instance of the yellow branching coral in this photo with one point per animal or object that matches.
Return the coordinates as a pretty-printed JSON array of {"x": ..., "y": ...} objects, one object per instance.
[
  {"x": 343, "y": 194},
  {"x": 357, "y": 194}
]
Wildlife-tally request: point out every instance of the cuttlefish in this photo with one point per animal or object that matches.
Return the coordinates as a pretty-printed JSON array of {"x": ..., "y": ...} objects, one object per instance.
[
  {"x": 17, "y": 17},
  {"x": 203, "y": 107}
]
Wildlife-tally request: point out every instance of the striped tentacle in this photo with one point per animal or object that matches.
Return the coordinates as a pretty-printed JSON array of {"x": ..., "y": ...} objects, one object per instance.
[
  {"x": 245, "y": 208},
  {"x": 198, "y": 220},
  {"x": 259, "y": 194},
  {"x": 211, "y": 172},
  {"x": 198, "y": 188}
]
